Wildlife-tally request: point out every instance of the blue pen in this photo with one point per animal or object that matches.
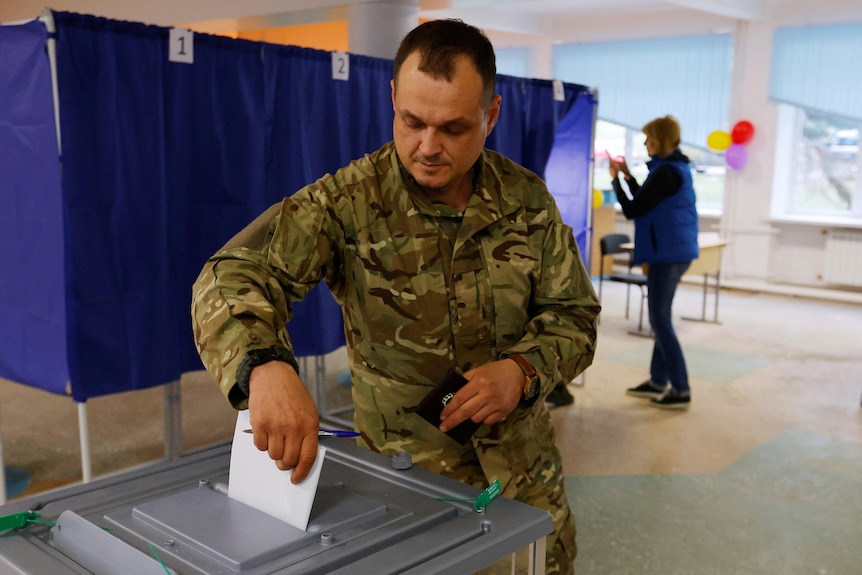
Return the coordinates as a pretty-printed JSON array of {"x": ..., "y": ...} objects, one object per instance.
[
  {"x": 337, "y": 433},
  {"x": 328, "y": 433}
]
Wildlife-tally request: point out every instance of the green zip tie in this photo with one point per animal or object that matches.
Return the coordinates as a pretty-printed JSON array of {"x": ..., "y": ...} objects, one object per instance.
[
  {"x": 487, "y": 496},
  {"x": 159, "y": 559},
  {"x": 17, "y": 520},
  {"x": 482, "y": 501}
]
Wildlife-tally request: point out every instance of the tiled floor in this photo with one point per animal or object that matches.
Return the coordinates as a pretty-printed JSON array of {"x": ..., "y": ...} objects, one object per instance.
[{"x": 762, "y": 474}]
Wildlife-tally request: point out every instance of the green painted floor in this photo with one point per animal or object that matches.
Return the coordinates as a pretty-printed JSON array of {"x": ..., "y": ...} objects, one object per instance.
[{"x": 792, "y": 505}]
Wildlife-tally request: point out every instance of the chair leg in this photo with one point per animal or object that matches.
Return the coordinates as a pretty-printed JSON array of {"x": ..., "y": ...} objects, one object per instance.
[
  {"x": 628, "y": 297},
  {"x": 641, "y": 319},
  {"x": 644, "y": 296}
]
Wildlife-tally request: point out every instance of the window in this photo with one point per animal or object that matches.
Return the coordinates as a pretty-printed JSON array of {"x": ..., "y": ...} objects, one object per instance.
[
  {"x": 818, "y": 86},
  {"x": 708, "y": 169},
  {"x": 817, "y": 166}
]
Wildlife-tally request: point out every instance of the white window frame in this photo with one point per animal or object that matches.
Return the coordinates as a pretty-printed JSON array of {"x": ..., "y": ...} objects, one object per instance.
[{"x": 788, "y": 134}]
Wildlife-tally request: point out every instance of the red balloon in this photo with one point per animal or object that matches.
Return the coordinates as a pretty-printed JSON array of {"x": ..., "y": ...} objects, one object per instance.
[{"x": 742, "y": 132}]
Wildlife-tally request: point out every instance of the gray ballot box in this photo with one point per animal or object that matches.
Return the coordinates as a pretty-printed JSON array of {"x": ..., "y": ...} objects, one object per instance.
[{"x": 175, "y": 517}]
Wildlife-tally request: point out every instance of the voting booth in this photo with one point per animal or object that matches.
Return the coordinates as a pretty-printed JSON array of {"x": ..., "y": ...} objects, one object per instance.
[
  {"x": 164, "y": 159},
  {"x": 368, "y": 516}
]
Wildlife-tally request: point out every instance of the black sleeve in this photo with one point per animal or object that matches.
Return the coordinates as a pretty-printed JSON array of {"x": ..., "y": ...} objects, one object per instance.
[{"x": 660, "y": 184}]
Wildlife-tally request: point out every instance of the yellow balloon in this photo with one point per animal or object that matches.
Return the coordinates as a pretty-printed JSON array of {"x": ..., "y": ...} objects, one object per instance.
[
  {"x": 598, "y": 199},
  {"x": 719, "y": 140}
]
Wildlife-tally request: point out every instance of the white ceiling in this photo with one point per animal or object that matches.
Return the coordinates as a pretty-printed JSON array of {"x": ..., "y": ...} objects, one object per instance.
[
  {"x": 553, "y": 19},
  {"x": 532, "y": 16},
  {"x": 556, "y": 20}
]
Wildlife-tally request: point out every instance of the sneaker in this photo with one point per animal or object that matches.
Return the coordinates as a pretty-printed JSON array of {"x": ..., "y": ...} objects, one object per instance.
[
  {"x": 671, "y": 399},
  {"x": 559, "y": 397},
  {"x": 646, "y": 389}
]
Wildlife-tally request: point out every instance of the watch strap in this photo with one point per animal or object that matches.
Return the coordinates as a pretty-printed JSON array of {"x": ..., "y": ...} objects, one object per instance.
[
  {"x": 256, "y": 357},
  {"x": 523, "y": 364},
  {"x": 531, "y": 379}
]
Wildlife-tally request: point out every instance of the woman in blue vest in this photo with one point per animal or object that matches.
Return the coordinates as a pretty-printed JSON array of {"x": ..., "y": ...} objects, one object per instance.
[{"x": 665, "y": 216}]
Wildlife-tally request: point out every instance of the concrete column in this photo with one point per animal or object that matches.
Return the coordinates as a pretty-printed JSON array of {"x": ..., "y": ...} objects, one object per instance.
[{"x": 376, "y": 28}]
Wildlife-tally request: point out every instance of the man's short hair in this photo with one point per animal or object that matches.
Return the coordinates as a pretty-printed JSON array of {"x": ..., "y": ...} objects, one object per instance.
[{"x": 440, "y": 43}]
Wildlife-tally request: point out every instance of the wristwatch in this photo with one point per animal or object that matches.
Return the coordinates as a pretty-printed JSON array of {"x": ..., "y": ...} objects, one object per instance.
[
  {"x": 531, "y": 379},
  {"x": 258, "y": 357}
]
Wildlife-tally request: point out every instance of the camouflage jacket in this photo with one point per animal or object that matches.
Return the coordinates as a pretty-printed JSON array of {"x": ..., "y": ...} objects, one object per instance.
[{"x": 422, "y": 288}]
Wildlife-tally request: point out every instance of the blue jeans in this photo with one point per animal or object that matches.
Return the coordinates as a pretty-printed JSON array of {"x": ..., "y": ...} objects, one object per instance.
[{"x": 668, "y": 363}]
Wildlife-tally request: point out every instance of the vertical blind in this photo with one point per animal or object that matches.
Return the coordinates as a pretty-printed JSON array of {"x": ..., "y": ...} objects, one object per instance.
[
  {"x": 638, "y": 80},
  {"x": 819, "y": 67},
  {"x": 514, "y": 62}
]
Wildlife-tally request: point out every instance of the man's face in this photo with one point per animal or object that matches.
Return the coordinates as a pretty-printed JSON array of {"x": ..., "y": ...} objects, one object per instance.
[{"x": 440, "y": 127}]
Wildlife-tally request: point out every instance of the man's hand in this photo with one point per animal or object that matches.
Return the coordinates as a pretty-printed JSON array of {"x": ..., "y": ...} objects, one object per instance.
[
  {"x": 283, "y": 418},
  {"x": 492, "y": 392}
]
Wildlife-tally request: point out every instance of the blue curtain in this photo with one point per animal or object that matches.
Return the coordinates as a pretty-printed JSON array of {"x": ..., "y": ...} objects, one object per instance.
[
  {"x": 163, "y": 162},
  {"x": 569, "y": 167},
  {"x": 32, "y": 300},
  {"x": 318, "y": 125},
  {"x": 553, "y": 138}
]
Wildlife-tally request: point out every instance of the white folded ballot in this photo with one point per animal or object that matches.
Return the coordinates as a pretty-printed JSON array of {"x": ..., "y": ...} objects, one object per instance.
[{"x": 256, "y": 481}]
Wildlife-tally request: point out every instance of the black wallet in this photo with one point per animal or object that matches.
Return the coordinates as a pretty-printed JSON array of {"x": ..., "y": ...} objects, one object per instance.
[{"x": 433, "y": 403}]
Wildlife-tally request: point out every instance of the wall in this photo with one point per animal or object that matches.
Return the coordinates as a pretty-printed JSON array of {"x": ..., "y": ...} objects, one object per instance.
[
  {"x": 748, "y": 191},
  {"x": 331, "y": 36}
]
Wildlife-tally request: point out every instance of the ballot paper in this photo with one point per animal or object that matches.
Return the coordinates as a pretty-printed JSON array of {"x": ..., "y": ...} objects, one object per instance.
[{"x": 256, "y": 481}]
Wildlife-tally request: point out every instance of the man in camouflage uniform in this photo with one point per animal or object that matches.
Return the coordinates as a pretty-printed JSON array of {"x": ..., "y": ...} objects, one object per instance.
[{"x": 442, "y": 254}]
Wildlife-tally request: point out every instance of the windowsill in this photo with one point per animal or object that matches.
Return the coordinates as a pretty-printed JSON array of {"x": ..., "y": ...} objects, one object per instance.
[
  {"x": 709, "y": 212},
  {"x": 701, "y": 212},
  {"x": 810, "y": 220}
]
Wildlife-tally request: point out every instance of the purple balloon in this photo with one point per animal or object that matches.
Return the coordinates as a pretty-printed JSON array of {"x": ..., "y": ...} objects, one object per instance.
[{"x": 736, "y": 156}]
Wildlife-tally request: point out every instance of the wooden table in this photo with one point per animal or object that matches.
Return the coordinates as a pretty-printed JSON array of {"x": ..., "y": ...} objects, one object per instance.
[{"x": 708, "y": 264}]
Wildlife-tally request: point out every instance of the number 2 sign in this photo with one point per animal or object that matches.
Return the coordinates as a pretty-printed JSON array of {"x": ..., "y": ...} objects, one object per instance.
[{"x": 340, "y": 66}]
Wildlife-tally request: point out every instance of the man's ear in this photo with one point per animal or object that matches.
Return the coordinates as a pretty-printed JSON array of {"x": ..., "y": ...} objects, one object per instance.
[
  {"x": 493, "y": 114},
  {"x": 392, "y": 87}
]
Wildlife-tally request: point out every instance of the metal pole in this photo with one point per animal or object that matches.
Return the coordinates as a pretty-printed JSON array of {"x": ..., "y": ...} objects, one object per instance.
[
  {"x": 47, "y": 19},
  {"x": 173, "y": 414},
  {"x": 86, "y": 464},
  {"x": 2, "y": 474}
]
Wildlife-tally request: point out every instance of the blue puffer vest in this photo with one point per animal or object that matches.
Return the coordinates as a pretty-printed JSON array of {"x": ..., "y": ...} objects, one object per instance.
[{"x": 668, "y": 233}]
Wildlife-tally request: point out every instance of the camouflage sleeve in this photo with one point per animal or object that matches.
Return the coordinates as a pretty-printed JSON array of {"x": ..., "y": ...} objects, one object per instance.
[
  {"x": 560, "y": 338},
  {"x": 243, "y": 297}
]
